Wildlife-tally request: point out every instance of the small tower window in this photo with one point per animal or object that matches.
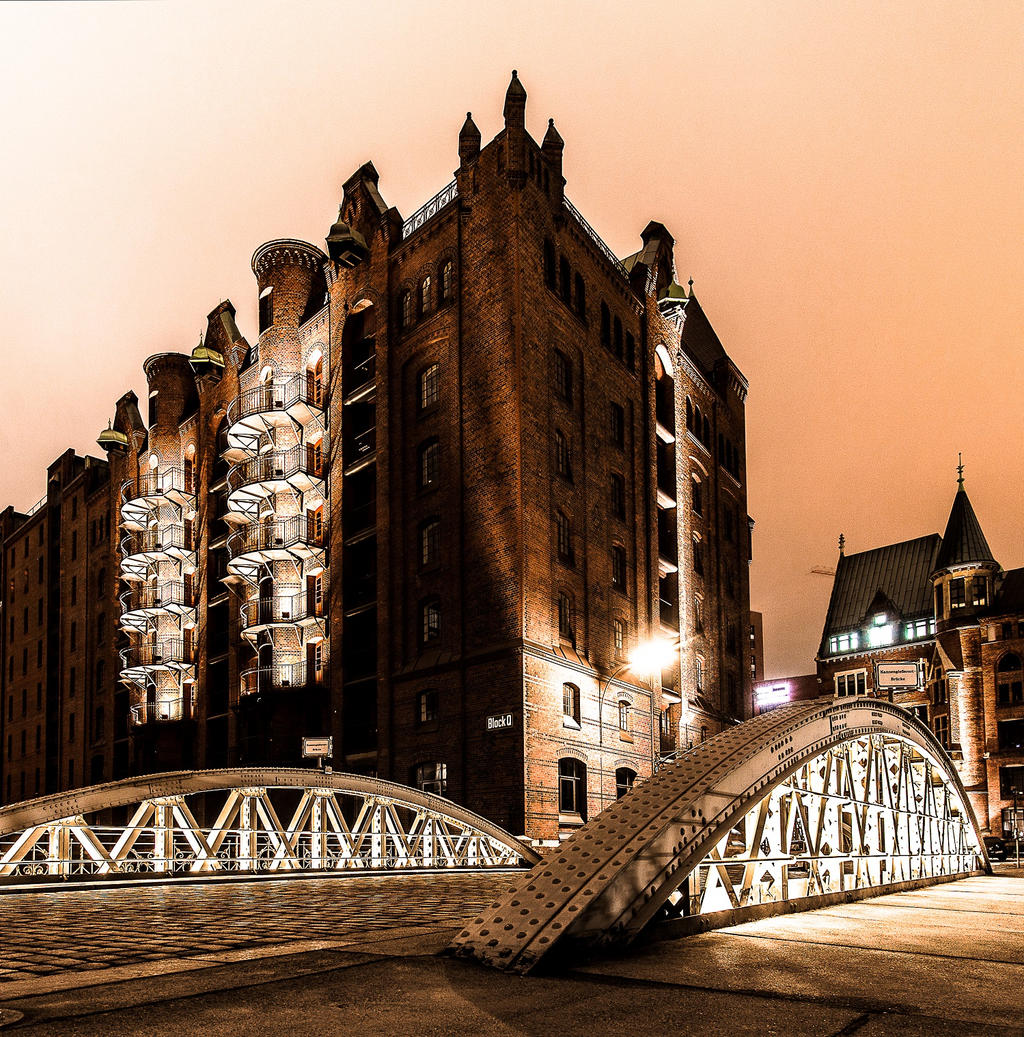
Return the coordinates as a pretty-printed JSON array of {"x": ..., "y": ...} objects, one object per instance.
[
  {"x": 447, "y": 272},
  {"x": 426, "y": 299}
]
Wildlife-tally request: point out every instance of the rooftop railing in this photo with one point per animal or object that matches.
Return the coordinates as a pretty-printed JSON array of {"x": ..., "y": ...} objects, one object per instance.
[
  {"x": 596, "y": 238},
  {"x": 444, "y": 197}
]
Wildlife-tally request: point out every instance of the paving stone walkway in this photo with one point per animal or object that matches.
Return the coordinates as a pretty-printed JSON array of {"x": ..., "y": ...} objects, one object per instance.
[{"x": 76, "y": 930}]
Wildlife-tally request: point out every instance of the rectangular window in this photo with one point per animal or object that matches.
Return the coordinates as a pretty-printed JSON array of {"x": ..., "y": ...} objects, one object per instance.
[
  {"x": 957, "y": 593},
  {"x": 619, "y": 568},
  {"x": 979, "y": 590},
  {"x": 571, "y": 705},
  {"x": 852, "y": 683},
  {"x": 427, "y": 707},
  {"x": 942, "y": 730},
  {"x": 617, "y": 428},
  {"x": 618, "y": 496},
  {"x": 563, "y": 376}
]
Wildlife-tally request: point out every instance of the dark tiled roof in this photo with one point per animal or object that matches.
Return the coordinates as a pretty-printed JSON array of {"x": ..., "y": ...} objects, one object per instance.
[
  {"x": 963, "y": 540},
  {"x": 1010, "y": 596},
  {"x": 901, "y": 572}
]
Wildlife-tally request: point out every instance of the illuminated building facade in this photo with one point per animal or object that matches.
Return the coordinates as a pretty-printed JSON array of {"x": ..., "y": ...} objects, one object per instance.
[
  {"x": 469, "y": 462},
  {"x": 942, "y": 605}
]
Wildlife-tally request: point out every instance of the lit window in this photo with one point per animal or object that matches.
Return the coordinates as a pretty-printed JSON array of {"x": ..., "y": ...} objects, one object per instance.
[
  {"x": 624, "y": 717},
  {"x": 431, "y": 777},
  {"x": 572, "y": 787},
  {"x": 957, "y": 593},
  {"x": 844, "y": 642},
  {"x": 406, "y": 306},
  {"x": 430, "y": 386},
  {"x": 979, "y": 590},
  {"x": 426, "y": 300},
  {"x": 430, "y": 622},
  {"x": 618, "y": 635},
  {"x": 916, "y": 629},
  {"x": 570, "y": 705},
  {"x": 880, "y": 635},
  {"x": 446, "y": 281},
  {"x": 426, "y": 706}
]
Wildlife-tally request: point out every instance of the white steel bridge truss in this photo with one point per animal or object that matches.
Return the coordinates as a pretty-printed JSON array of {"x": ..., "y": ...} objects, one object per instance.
[
  {"x": 335, "y": 822},
  {"x": 828, "y": 798}
]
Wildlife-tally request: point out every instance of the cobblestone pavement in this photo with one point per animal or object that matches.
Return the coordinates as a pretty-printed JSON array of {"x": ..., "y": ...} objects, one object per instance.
[{"x": 45, "y": 934}]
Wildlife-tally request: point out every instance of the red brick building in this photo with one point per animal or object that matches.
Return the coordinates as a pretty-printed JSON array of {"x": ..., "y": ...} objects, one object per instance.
[
  {"x": 468, "y": 462},
  {"x": 946, "y": 606}
]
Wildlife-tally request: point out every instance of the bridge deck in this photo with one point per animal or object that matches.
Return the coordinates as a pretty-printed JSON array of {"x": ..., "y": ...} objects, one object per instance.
[{"x": 361, "y": 954}]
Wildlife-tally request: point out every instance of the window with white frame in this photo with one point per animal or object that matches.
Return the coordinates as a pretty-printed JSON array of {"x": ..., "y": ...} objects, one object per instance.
[{"x": 844, "y": 642}]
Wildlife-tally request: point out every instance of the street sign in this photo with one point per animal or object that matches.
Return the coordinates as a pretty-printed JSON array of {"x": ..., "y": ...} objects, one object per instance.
[
  {"x": 897, "y": 675},
  {"x": 500, "y": 722},
  {"x": 314, "y": 747}
]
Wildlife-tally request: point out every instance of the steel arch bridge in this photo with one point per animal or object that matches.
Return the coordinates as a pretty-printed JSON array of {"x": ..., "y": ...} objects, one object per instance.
[
  {"x": 803, "y": 802},
  {"x": 336, "y": 822}
]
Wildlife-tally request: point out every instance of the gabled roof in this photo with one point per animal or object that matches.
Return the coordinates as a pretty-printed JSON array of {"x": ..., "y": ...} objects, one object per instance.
[
  {"x": 963, "y": 542},
  {"x": 900, "y": 573}
]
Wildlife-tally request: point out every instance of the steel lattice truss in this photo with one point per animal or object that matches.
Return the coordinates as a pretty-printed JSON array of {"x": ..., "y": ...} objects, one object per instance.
[
  {"x": 870, "y": 812},
  {"x": 335, "y": 822},
  {"x": 811, "y": 800}
]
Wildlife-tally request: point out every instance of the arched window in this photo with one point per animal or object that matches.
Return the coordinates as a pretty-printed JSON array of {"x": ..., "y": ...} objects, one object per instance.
[
  {"x": 430, "y": 541},
  {"x": 698, "y": 672},
  {"x": 618, "y": 636},
  {"x": 706, "y": 437},
  {"x": 698, "y": 615},
  {"x": 617, "y": 338},
  {"x": 624, "y": 780},
  {"x": 619, "y": 568},
  {"x": 430, "y": 621},
  {"x": 696, "y": 497},
  {"x": 696, "y": 421},
  {"x": 698, "y": 556},
  {"x": 563, "y": 456},
  {"x": 429, "y": 464},
  {"x": 315, "y": 383},
  {"x": 570, "y": 706},
  {"x": 623, "y": 716},
  {"x": 689, "y": 414},
  {"x": 1009, "y": 680},
  {"x": 190, "y": 469},
  {"x": 564, "y": 538},
  {"x": 447, "y": 285},
  {"x": 405, "y": 309},
  {"x": 580, "y": 302},
  {"x": 606, "y": 326},
  {"x": 430, "y": 386},
  {"x": 572, "y": 787},
  {"x": 549, "y": 264},
  {"x": 426, "y": 298}
]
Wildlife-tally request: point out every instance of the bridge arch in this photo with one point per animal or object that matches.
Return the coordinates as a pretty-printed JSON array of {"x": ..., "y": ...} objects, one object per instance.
[
  {"x": 337, "y": 821},
  {"x": 813, "y": 798}
]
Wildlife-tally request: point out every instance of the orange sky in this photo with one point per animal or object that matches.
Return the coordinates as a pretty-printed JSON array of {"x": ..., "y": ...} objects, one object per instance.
[{"x": 843, "y": 181}]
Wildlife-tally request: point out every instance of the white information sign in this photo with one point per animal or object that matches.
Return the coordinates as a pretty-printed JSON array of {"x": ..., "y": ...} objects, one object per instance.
[
  {"x": 312, "y": 747},
  {"x": 500, "y": 722},
  {"x": 897, "y": 675}
]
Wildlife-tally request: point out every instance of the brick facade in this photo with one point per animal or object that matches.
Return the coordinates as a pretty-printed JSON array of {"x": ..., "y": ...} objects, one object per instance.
[{"x": 469, "y": 459}]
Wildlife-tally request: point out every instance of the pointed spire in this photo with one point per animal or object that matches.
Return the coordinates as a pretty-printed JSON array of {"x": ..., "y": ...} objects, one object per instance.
[
  {"x": 963, "y": 542},
  {"x": 552, "y": 139},
  {"x": 469, "y": 140},
  {"x": 960, "y": 471},
  {"x": 842, "y": 543},
  {"x": 690, "y": 294},
  {"x": 515, "y": 103}
]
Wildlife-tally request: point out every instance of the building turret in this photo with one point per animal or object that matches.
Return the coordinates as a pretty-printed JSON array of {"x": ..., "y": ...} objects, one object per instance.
[
  {"x": 515, "y": 129},
  {"x": 552, "y": 148},
  {"x": 469, "y": 140}
]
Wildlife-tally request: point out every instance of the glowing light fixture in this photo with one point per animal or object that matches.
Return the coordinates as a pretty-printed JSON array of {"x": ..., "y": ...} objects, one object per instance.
[{"x": 651, "y": 657}]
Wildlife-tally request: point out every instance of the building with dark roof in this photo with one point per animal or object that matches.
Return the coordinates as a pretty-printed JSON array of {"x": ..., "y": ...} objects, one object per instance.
[
  {"x": 464, "y": 465},
  {"x": 937, "y": 626}
]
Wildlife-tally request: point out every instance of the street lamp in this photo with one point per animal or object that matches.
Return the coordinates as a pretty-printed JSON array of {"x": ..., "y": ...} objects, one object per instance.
[{"x": 647, "y": 659}]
